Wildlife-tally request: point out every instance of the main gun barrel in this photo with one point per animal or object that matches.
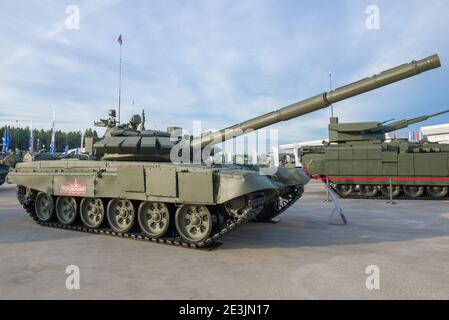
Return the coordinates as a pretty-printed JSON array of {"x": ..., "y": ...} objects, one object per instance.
[
  {"x": 320, "y": 101},
  {"x": 407, "y": 122}
]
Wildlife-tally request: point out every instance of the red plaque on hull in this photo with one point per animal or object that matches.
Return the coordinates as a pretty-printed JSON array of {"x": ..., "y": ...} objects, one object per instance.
[{"x": 73, "y": 189}]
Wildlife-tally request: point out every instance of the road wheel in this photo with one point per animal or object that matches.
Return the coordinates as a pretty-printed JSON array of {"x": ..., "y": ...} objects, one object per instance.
[
  {"x": 44, "y": 207},
  {"x": 121, "y": 215},
  {"x": 154, "y": 218},
  {"x": 396, "y": 190},
  {"x": 344, "y": 189},
  {"x": 66, "y": 210},
  {"x": 92, "y": 212},
  {"x": 437, "y": 191},
  {"x": 194, "y": 223},
  {"x": 414, "y": 191},
  {"x": 368, "y": 190}
]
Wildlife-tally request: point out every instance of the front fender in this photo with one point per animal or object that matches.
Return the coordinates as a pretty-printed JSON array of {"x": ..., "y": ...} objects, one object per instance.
[
  {"x": 290, "y": 177},
  {"x": 233, "y": 184}
]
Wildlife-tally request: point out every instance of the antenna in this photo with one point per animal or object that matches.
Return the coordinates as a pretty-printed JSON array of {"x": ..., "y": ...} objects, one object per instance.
[
  {"x": 142, "y": 125},
  {"x": 120, "y": 42},
  {"x": 387, "y": 120}
]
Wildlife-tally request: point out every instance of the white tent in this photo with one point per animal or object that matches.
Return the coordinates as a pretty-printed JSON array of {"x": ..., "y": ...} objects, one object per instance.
[{"x": 437, "y": 133}]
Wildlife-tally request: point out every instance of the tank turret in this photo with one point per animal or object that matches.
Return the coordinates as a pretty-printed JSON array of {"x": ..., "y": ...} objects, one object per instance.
[
  {"x": 125, "y": 142},
  {"x": 368, "y": 131},
  {"x": 358, "y": 161}
]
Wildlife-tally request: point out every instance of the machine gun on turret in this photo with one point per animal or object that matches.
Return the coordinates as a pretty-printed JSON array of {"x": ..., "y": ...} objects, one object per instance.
[
  {"x": 111, "y": 122},
  {"x": 142, "y": 125}
]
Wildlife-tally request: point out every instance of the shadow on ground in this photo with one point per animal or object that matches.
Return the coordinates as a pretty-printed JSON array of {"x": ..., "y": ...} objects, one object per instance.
[
  {"x": 308, "y": 224},
  {"x": 305, "y": 224}
]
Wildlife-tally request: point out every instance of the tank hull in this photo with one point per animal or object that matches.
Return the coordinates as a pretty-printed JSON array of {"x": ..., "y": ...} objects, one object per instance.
[
  {"x": 233, "y": 194},
  {"x": 414, "y": 170}
]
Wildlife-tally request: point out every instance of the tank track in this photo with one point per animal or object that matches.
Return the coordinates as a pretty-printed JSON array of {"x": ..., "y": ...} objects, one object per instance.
[
  {"x": 282, "y": 204},
  {"x": 380, "y": 196},
  {"x": 209, "y": 244}
]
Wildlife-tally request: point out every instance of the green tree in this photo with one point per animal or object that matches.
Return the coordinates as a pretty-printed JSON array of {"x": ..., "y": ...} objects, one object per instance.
[{"x": 20, "y": 138}]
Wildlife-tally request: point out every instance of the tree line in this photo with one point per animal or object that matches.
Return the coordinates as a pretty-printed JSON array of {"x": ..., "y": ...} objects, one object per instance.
[{"x": 20, "y": 137}]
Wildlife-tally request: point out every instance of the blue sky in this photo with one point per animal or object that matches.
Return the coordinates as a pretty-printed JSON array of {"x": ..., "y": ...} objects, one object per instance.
[{"x": 216, "y": 61}]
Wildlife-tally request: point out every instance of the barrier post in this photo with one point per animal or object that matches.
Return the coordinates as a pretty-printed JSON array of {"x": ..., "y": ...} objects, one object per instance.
[
  {"x": 338, "y": 208},
  {"x": 391, "y": 194},
  {"x": 327, "y": 190}
]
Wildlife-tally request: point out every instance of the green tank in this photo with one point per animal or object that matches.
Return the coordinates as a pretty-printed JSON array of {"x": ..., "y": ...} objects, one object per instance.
[
  {"x": 43, "y": 155},
  {"x": 4, "y": 169},
  {"x": 136, "y": 189},
  {"x": 358, "y": 161}
]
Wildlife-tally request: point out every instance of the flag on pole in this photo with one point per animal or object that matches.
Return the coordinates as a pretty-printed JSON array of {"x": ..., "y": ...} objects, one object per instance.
[
  {"x": 31, "y": 142},
  {"x": 120, "y": 40},
  {"x": 4, "y": 141},
  {"x": 53, "y": 140},
  {"x": 7, "y": 142}
]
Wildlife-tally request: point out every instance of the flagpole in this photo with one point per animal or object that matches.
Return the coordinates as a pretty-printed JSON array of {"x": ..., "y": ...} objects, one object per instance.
[
  {"x": 120, "y": 84},
  {"x": 53, "y": 137}
]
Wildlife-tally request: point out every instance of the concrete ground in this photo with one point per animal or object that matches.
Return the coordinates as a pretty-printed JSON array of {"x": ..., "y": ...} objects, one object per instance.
[{"x": 302, "y": 257}]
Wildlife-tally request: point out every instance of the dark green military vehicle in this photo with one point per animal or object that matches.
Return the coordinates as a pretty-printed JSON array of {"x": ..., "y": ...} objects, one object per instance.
[
  {"x": 358, "y": 161},
  {"x": 6, "y": 162},
  {"x": 136, "y": 189},
  {"x": 4, "y": 169}
]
